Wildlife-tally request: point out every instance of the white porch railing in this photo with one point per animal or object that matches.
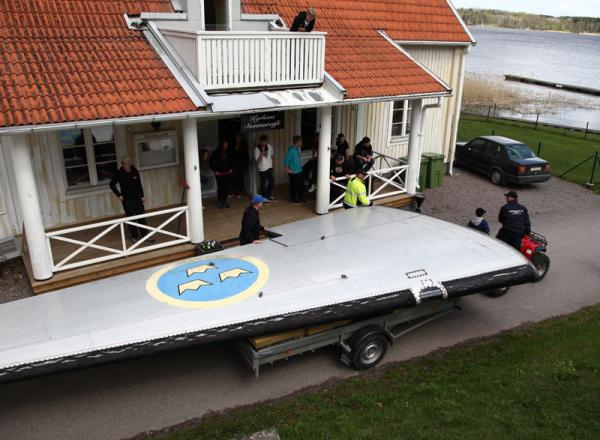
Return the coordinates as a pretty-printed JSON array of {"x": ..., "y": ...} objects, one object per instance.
[
  {"x": 124, "y": 248},
  {"x": 387, "y": 178},
  {"x": 250, "y": 60}
]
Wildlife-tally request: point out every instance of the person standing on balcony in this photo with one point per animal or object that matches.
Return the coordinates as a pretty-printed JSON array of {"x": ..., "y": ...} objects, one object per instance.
[
  {"x": 363, "y": 154},
  {"x": 263, "y": 156},
  {"x": 240, "y": 164},
  {"x": 304, "y": 21},
  {"x": 293, "y": 166},
  {"x": 356, "y": 192},
  {"x": 131, "y": 194},
  {"x": 220, "y": 163}
]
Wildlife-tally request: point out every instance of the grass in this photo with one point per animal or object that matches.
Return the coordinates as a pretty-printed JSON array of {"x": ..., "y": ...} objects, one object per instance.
[
  {"x": 542, "y": 381},
  {"x": 563, "y": 148}
]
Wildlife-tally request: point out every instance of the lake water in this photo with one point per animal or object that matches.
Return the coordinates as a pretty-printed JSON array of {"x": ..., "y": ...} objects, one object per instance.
[{"x": 551, "y": 56}]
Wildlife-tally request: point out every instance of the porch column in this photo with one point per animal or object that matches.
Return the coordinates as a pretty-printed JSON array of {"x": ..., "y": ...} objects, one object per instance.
[
  {"x": 41, "y": 262},
  {"x": 324, "y": 162},
  {"x": 414, "y": 148},
  {"x": 192, "y": 176}
]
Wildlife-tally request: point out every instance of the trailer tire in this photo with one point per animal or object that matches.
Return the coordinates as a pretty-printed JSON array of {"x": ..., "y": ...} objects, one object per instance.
[{"x": 368, "y": 347}]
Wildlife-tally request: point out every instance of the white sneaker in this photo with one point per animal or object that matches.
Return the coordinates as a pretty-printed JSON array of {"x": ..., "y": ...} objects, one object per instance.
[{"x": 312, "y": 188}]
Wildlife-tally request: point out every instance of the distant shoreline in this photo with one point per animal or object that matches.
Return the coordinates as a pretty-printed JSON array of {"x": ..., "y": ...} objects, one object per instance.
[
  {"x": 525, "y": 21},
  {"x": 491, "y": 26}
]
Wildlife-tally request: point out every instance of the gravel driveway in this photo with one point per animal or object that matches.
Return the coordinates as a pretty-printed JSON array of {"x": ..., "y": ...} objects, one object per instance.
[{"x": 459, "y": 196}]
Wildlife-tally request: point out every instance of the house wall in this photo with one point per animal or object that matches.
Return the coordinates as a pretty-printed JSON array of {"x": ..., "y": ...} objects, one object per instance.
[
  {"x": 9, "y": 215},
  {"x": 440, "y": 124},
  {"x": 60, "y": 207}
]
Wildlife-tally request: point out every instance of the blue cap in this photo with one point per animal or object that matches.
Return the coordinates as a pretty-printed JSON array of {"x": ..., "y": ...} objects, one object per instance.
[{"x": 257, "y": 198}]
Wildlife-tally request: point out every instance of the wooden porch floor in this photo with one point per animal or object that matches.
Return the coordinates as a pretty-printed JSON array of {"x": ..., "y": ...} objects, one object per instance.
[{"x": 219, "y": 224}]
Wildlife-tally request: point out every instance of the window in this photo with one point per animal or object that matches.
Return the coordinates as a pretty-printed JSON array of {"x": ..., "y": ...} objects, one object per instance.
[
  {"x": 401, "y": 119},
  {"x": 89, "y": 156}
]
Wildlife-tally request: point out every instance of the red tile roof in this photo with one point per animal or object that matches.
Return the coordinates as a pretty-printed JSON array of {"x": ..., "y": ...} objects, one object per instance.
[
  {"x": 357, "y": 56},
  {"x": 76, "y": 60}
]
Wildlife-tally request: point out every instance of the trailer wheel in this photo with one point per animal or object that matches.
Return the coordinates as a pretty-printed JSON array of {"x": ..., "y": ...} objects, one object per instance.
[
  {"x": 497, "y": 293},
  {"x": 368, "y": 347},
  {"x": 542, "y": 264}
]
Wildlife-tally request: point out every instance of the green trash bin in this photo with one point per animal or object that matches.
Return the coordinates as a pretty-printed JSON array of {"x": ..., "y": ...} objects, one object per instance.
[
  {"x": 435, "y": 169},
  {"x": 422, "y": 172}
]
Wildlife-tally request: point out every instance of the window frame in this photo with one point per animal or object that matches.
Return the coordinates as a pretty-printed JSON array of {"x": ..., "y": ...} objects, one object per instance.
[
  {"x": 94, "y": 185},
  {"x": 406, "y": 110}
]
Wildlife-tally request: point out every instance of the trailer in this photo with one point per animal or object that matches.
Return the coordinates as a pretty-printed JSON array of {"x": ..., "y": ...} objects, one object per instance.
[{"x": 363, "y": 343}]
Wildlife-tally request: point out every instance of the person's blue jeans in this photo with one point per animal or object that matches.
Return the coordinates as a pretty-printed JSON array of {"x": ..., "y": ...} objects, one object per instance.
[{"x": 267, "y": 183}]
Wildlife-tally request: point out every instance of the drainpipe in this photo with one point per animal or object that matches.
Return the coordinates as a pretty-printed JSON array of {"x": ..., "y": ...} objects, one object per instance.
[
  {"x": 457, "y": 107},
  {"x": 417, "y": 120}
]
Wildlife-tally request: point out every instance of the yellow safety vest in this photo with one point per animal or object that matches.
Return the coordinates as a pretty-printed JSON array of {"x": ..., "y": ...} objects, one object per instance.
[{"x": 356, "y": 193}]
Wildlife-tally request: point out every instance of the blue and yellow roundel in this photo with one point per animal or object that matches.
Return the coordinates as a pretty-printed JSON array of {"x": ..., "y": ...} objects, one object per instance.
[{"x": 208, "y": 282}]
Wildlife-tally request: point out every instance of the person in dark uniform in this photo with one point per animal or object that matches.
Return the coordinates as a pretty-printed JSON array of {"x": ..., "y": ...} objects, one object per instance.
[
  {"x": 514, "y": 218},
  {"x": 304, "y": 21},
  {"x": 131, "y": 195},
  {"x": 251, "y": 227}
]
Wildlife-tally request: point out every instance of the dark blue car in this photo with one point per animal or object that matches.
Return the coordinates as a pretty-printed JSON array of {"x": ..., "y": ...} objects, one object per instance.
[{"x": 503, "y": 160}]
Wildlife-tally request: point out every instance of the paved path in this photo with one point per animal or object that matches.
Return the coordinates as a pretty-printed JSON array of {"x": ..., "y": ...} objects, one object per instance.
[{"x": 120, "y": 400}]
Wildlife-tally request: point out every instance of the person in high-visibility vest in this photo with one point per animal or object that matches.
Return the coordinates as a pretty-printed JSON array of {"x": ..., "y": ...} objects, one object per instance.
[{"x": 356, "y": 192}]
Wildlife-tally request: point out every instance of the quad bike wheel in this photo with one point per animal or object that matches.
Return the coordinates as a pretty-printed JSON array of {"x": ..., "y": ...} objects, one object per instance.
[{"x": 542, "y": 264}]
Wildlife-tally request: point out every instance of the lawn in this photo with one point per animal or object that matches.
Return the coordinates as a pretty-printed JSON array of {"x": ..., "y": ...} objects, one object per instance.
[
  {"x": 563, "y": 148},
  {"x": 542, "y": 381}
]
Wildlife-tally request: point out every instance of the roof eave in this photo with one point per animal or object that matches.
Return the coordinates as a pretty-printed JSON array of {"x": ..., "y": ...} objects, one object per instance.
[{"x": 388, "y": 98}]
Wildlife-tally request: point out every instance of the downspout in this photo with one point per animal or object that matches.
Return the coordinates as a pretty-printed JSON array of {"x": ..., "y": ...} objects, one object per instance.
[{"x": 457, "y": 107}]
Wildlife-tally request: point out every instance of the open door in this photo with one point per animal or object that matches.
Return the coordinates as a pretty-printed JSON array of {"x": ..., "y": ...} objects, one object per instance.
[{"x": 216, "y": 15}]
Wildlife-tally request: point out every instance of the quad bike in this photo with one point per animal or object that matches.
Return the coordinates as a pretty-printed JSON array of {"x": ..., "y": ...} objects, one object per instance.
[{"x": 533, "y": 246}]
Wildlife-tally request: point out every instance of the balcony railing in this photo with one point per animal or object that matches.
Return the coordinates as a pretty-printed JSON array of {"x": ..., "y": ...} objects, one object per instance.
[
  {"x": 387, "y": 178},
  {"x": 101, "y": 238},
  {"x": 225, "y": 61}
]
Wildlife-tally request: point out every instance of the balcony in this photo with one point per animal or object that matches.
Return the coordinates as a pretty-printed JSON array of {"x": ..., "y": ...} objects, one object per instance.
[{"x": 233, "y": 61}]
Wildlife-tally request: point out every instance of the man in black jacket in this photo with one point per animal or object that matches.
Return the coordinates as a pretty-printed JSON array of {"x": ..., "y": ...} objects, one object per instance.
[
  {"x": 251, "y": 227},
  {"x": 131, "y": 194},
  {"x": 514, "y": 218},
  {"x": 304, "y": 21}
]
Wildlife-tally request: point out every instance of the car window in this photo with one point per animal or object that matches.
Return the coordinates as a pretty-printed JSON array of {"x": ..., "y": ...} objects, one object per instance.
[
  {"x": 518, "y": 151},
  {"x": 477, "y": 144},
  {"x": 489, "y": 149}
]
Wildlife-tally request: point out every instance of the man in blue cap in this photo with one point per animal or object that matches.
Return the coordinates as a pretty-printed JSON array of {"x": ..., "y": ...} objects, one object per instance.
[{"x": 251, "y": 227}]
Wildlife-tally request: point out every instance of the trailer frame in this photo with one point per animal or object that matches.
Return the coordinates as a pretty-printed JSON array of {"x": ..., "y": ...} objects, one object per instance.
[{"x": 393, "y": 325}]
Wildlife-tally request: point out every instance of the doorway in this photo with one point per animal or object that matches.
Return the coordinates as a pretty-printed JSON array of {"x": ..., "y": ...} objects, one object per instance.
[{"x": 216, "y": 15}]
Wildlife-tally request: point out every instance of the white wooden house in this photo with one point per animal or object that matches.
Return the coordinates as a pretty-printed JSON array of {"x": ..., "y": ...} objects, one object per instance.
[{"x": 88, "y": 81}]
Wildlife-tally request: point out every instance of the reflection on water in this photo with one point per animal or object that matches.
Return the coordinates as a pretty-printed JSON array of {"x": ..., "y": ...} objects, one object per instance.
[{"x": 551, "y": 56}]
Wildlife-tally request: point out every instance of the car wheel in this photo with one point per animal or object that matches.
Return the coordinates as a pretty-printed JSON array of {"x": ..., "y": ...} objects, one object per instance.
[
  {"x": 542, "y": 264},
  {"x": 497, "y": 293},
  {"x": 496, "y": 177}
]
